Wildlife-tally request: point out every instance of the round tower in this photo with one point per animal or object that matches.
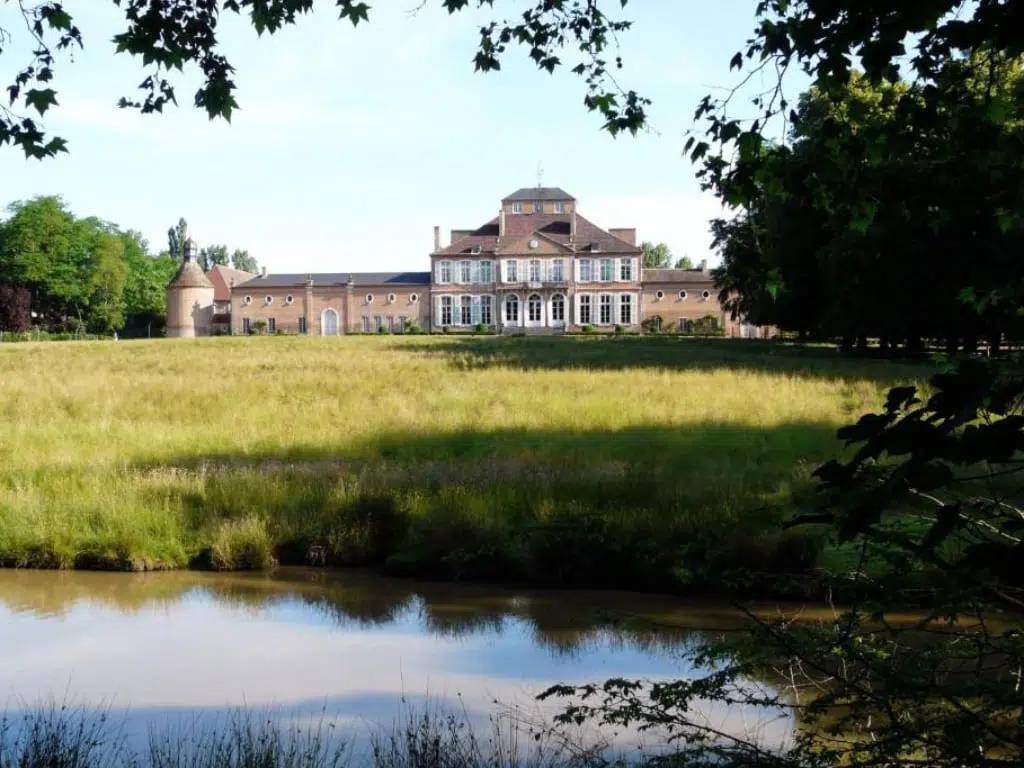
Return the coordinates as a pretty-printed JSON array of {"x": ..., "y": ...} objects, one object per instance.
[{"x": 189, "y": 298}]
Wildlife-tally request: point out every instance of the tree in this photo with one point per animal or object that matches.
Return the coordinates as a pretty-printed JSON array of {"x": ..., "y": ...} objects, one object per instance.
[
  {"x": 145, "y": 289},
  {"x": 655, "y": 256},
  {"x": 684, "y": 262},
  {"x": 15, "y": 308},
  {"x": 176, "y": 237},
  {"x": 106, "y": 303},
  {"x": 214, "y": 254},
  {"x": 242, "y": 260},
  {"x": 183, "y": 35}
]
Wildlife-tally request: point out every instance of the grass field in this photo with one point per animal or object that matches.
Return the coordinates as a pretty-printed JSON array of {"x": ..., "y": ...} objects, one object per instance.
[{"x": 639, "y": 462}]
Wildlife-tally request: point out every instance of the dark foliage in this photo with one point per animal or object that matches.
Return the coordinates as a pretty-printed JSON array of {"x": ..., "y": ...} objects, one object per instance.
[{"x": 15, "y": 308}]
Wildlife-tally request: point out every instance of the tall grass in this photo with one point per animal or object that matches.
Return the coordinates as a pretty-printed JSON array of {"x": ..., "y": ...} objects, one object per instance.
[{"x": 649, "y": 463}]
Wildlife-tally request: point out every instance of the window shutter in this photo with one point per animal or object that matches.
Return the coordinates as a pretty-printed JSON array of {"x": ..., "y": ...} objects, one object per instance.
[
  {"x": 437, "y": 271},
  {"x": 437, "y": 312},
  {"x": 503, "y": 268},
  {"x": 636, "y": 270},
  {"x": 576, "y": 270}
]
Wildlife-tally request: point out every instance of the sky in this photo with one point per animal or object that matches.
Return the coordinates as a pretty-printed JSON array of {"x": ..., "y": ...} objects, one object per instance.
[{"x": 351, "y": 144}]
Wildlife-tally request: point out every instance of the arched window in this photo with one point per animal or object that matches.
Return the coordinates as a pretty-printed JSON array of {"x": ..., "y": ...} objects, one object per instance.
[
  {"x": 558, "y": 308},
  {"x": 534, "y": 308},
  {"x": 329, "y": 323},
  {"x": 512, "y": 309}
]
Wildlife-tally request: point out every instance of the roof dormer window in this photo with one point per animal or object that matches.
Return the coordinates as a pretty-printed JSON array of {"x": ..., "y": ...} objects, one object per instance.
[
  {"x": 595, "y": 247},
  {"x": 475, "y": 250}
]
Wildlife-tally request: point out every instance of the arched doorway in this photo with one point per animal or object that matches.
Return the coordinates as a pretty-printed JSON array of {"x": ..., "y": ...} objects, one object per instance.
[
  {"x": 535, "y": 311},
  {"x": 512, "y": 310},
  {"x": 329, "y": 323}
]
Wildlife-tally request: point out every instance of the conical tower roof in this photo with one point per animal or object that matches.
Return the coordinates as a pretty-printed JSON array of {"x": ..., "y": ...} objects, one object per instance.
[{"x": 190, "y": 275}]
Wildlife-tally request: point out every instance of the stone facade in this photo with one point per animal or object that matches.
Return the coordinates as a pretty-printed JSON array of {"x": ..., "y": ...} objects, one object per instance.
[{"x": 538, "y": 266}]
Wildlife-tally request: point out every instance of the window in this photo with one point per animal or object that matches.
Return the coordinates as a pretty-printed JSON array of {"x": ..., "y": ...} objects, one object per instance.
[
  {"x": 366, "y": 324},
  {"x": 607, "y": 270},
  {"x": 465, "y": 272},
  {"x": 557, "y": 271},
  {"x": 245, "y": 324},
  {"x": 538, "y": 206},
  {"x": 486, "y": 271},
  {"x": 682, "y": 295},
  {"x": 247, "y": 300},
  {"x": 403, "y": 323},
  {"x": 559, "y": 206},
  {"x": 626, "y": 269},
  {"x": 377, "y": 323},
  {"x": 586, "y": 315},
  {"x": 606, "y": 309},
  {"x": 289, "y": 299},
  {"x": 446, "y": 310},
  {"x": 391, "y": 298},
  {"x": 389, "y": 323},
  {"x": 486, "y": 314},
  {"x": 414, "y": 297},
  {"x": 517, "y": 207},
  {"x": 271, "y": 325},
  {"x": 369, "y": 298},
  {"x": 302, "y": 325},
  {"x": 558, "y": 308},
  {"x": 659, "y": 295},
  {"x": 445, "y": 272},
  {"x": 586, "y": 270},
  {"x": 535, "y": 270},
  {"x": 512, "y": 309},
  {"x": 268, "y": 300},
  {"x": 466, "y": 310},
  {"x": 512, "y": 271},
  {"x": 626, "y": 309},
  {"x": 534, "y": 308},
  {"x": 706, "y": 295}
]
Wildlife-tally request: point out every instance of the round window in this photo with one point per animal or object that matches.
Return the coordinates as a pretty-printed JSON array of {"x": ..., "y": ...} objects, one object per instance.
[
  {"x": 391, "y": 298},
  {"x": 247, "y": 300},
  {"x": 660, "y": 295},
  {"x": 682, "y": 295},
  {"x": 706, "y": 295},
  {"x": 269, "y": 299},
  {"x": 369, "y": 298},
  {"x": 414, "y": 298},
  {"x": 289, "y": 299}
]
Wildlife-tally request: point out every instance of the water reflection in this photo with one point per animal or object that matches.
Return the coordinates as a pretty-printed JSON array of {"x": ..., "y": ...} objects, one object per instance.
[{"x": 348, "y": 643}]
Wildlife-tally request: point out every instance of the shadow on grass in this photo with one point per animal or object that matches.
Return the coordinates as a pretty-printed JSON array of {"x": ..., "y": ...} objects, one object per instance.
[
  {"x": 650, "y": 508},
  {"x": 670, "y": 352}
]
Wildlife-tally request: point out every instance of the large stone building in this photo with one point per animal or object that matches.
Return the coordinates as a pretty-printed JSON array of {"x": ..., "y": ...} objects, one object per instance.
[{"x": 537, "y": 266}]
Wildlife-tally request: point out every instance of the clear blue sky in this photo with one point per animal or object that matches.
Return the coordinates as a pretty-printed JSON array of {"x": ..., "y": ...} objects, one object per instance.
[{"x": 352, "y": 143}]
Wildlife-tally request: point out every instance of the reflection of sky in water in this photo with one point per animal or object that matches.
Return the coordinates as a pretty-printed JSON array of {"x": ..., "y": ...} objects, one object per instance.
[{"x": 200, "y": 653}]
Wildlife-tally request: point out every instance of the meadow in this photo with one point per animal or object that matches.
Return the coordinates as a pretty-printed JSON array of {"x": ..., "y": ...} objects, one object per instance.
[{"x": 642, "y": 462}]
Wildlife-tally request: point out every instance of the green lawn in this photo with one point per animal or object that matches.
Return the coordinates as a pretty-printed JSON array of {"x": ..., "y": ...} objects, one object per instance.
[{"x": 641, "y": 462}]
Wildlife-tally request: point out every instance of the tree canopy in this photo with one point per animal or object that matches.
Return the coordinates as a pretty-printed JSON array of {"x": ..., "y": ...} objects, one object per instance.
[{"x": 656, "y": 255}]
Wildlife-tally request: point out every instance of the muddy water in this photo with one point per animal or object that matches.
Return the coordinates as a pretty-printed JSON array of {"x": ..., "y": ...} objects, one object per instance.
[{"x": 350, "y": 645}]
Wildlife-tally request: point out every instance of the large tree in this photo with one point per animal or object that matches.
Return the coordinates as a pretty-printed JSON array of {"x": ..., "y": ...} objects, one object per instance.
[
  {"x": 240, "y": 259},
  {"x": 656, "y": 255},
  {"x": 168, "y": 37}
]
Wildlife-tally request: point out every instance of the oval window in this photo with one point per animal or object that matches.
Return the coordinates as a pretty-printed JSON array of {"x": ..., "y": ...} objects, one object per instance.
[
  {"x": 660, "y": 295},
  {"x": 706, "y": 295},
  {"x": 289, "y": 299},
  {"x": 414, "y": 298},
  {"x": 682, "y": 295},
  {"x": 391, "y": 298},
  {"x": 247, "y": 300},
  {"x": 269, "y": 299},
  {"x": 369, "y": 298}
]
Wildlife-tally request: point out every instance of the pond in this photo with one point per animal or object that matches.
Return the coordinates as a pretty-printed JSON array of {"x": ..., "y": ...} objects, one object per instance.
[{"x": 351, "y": 646}]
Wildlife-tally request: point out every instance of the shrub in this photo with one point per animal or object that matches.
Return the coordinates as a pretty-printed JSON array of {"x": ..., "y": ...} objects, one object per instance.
[
  {"x": 259, "y": 327},
  {"x": 365, "y": 531},
  {"x": 588, "y": 329},
  {"x": 652, "y": 324},
  {"x": 619, "y": 329}
]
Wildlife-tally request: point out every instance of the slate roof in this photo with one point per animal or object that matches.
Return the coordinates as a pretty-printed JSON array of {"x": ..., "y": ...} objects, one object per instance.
[
  {"x": 222, "y": 278},
  {"x": 554, "y": 226},
  {"x": 338, "y": 278},
  {"x": 677, "y": 276},
  {"x": 526, "y": 194}
]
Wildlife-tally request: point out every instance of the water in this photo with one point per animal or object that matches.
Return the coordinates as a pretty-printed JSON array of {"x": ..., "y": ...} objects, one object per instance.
[{"x": 353, "y": 646}]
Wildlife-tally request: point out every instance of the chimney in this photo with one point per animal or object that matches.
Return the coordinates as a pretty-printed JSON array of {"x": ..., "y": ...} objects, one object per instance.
[
  {"x": 501, "y": 223},
  {"x": 263, "y": 271},
  {"x": 572, "y": 227},
  {"x": 437, "y": 239},
  {"x": 703, "y": 265}
]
